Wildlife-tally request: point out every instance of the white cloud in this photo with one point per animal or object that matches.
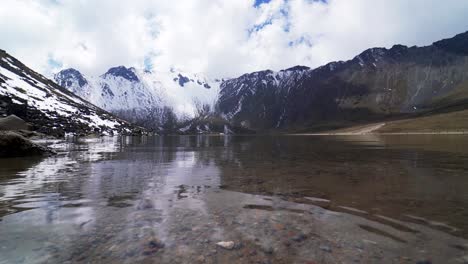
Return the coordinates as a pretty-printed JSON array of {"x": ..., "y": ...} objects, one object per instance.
[{"x": 219, "y": 37}]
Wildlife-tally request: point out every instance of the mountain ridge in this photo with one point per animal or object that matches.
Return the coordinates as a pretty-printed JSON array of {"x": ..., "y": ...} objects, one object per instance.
[
  {"x": 122, "y": 90},
  {"x": 378, "y": 83},
  {"x": 50, "y": 108}
]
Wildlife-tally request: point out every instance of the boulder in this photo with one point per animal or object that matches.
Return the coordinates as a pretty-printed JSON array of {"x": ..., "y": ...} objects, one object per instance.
[
  {"x": 15, "y": 145},
  {"x": 14, "y": 123}
]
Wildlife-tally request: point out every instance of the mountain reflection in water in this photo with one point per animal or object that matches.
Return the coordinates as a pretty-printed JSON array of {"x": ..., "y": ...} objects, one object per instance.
[{"x": 172, "y": 198}]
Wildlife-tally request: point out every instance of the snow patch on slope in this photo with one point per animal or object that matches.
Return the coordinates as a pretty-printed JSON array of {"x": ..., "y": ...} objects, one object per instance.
[
  {"x": 134, "y": 89},
  {"x": 18, "y": 83}
]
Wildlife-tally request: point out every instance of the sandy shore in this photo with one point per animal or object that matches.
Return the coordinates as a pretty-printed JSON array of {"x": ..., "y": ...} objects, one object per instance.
[{"x": 373, "y": 129}]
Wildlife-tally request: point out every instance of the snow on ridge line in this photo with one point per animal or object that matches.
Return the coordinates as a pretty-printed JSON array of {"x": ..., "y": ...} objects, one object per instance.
[{"x": 147, "y": 90}]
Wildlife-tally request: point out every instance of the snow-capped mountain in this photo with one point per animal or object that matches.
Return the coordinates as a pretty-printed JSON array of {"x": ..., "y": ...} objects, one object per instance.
[
  {"x": 377, "y": 84},
  {"x": 124, "y": 89},
  {"x": 49, "y": 107}
]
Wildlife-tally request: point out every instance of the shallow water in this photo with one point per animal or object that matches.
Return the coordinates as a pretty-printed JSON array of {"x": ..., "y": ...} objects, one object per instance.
[{"x": 281, "y": 199}]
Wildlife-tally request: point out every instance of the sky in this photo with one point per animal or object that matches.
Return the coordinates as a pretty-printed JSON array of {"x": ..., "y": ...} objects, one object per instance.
[{"x": 220, "y": 38}]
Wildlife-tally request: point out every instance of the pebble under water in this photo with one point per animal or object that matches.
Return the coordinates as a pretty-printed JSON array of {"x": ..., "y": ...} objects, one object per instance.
[{"x": 238, "y": 199}]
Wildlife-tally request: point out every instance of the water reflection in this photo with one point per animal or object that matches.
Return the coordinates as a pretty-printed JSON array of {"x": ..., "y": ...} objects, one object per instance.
[
  {"x": 171, "y": 198},
  {"x": 394, "y": 176}
]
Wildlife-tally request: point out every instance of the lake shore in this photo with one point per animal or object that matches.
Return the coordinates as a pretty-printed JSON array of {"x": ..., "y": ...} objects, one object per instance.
[
  {"x": 380, "y": 129},
  {"x": 377, "y": 133}
]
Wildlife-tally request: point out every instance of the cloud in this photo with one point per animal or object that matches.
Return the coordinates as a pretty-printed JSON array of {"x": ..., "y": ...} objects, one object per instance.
[{"x": 223, "y": 38}]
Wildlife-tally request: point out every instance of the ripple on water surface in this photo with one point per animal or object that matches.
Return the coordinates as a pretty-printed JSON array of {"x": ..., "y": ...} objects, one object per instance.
[{"x": 279, "y": 199}]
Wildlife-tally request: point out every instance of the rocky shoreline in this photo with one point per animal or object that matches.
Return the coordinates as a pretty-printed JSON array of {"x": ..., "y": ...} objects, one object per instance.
[
  {"x": 16, "y": 139},
  {"x": 13, "y": 144}
]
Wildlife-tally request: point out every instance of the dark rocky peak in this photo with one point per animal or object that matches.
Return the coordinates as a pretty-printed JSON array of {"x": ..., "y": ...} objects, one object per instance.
[
  {"x": 67, "y": 77},
  {"x": 457, "y": 44},
  {"x": 182, "y": 80},
  {"x": 370, "y": 56},
  {"x": 123, "y": 72},
  {"x": 398, "y": 48},
  {"x": 297, "y": 68},
  {"x": 256, "y": 75},
  {"x": 250, "y": 82},
  {"x": 204, "y": 84},
  {"x": 262, "y": 73},
  {"x": 329, "y": 68}
]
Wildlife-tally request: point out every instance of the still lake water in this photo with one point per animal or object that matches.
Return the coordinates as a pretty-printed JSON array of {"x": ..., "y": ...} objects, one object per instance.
[{"x": 280, "y": 199}]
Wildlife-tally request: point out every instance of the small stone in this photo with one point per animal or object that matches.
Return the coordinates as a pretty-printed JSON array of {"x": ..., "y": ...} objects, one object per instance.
[
  {"x": 145, "y": 204},
  {"x": 130, "y": 253},
  {"x": 153, "y": 246},
  {"x": 226, "y": 244},
  {"x": 238, "y": 245},
  {"x": 278, "y": 226},
  {"x": 299, "y": 238},
  {"x": 424, "y": 262},
  {"x": 156, "y": 244},
  {"x": 326, "y": 249},
  {"x": 369, "y": 242},
  {"x": 252, "y": 252},
  {"x": 201, "y": 259},
  {"x": 267, "y": 249}
]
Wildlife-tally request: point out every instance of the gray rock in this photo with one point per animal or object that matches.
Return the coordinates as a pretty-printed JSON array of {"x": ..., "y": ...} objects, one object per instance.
[
  {"x": 326, "y": 249},
  {"x": 464, "y": 259},
  {"x": 299, "y": 238},
  {"x": 226, "y": 244},
  {"x": 267, "y": 249},
  {"x": 15, "y": 145},
  {"x": 14, "y": 123}
]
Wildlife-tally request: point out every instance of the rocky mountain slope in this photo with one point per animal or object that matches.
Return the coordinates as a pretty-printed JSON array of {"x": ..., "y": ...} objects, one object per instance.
[
  {"x": 123, "y": 90},
  {"x": 50, "y": 108},
  {"x": 377, "y": 84}
]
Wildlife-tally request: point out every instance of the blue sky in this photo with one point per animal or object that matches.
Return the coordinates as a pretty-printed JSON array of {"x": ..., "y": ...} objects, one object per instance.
[
  {"x": 259, "y": 2},
  {"x": 221, "y": 38}
]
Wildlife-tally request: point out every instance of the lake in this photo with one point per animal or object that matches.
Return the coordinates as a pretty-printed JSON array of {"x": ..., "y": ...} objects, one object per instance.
[{"x": 280, "y": 199}]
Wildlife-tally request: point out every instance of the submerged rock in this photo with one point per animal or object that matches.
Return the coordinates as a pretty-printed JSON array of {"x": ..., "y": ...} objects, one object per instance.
[
  {"x": 226, "y": 244},
  {"x": 15, "y": 145},
  {"x": 299, "y": 238},
  {"x": 152, "y": 246},
  {"x": 424, "y": 262},
  {"x": 326, "y": 248}
]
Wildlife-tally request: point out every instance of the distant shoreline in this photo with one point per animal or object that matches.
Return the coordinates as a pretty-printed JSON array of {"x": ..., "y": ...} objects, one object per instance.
[
  {"x": 373, "y": 129},
  {"x": 383, "y": 133}
]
